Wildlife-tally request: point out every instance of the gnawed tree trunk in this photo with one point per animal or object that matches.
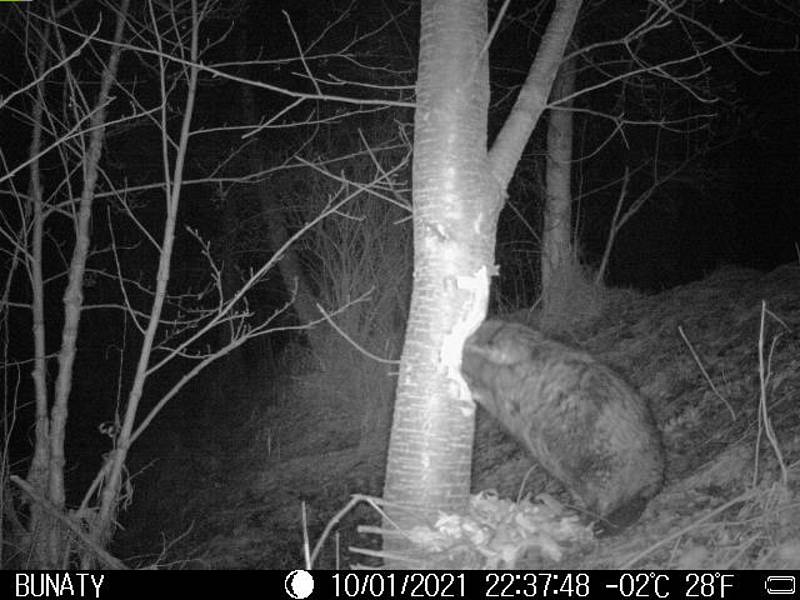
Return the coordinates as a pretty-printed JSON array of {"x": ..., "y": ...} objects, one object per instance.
[
  {"x": 456, "y": 204},
  {"x": 458, "y": 191}
]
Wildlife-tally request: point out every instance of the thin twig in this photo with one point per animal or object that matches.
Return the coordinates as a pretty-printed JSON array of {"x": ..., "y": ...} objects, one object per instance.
[
  {"x": 764, "y": 373},
  {"x": 375, "y": 502},
  {"x": 352, "y": 342},
  {"x": 705, "y": 373},
  {"x": 304, "y": 518}
]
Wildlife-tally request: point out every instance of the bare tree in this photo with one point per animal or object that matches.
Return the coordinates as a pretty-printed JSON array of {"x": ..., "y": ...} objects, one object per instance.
[
  {"x": 459, "y": 185},
  {"x": 631, "y": 79},
  {"x": 46, "y": 473},
  {"x": 557, "y": 250},
  {"x": 458, "y": 190},
  {"x": 170, "y": 328}
]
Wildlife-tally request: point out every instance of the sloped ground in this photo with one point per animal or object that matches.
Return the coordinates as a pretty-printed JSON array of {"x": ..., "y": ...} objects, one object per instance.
[
  {"x": 293, "y": 444},
  {"x": 715, "y": 453}
]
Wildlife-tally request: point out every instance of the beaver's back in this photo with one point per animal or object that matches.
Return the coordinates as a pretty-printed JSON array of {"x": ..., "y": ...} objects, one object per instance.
[{"x": 579, "y": 419}]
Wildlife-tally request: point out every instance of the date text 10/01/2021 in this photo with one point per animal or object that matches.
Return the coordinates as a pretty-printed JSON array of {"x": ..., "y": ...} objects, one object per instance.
[{"x": 609, "y": 584}]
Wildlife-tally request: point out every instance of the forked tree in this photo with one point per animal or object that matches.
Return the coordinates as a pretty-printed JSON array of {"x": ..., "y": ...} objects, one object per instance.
[{"x": 459, "y": 187}]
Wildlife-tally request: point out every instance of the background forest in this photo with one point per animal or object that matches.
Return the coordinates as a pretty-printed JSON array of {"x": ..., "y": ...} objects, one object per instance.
[{"x": 207, "y": 250}]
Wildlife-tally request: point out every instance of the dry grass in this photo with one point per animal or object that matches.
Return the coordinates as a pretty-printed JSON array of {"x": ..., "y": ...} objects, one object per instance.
[{"x": 728, "y": 503}]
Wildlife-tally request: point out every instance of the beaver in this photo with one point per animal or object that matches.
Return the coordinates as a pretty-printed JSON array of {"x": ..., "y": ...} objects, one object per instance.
[{"x": 581, "y": 421}]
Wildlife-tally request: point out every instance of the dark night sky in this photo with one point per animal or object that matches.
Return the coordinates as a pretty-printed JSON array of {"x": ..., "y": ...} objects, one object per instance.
[{"x": 747, "y": 212}]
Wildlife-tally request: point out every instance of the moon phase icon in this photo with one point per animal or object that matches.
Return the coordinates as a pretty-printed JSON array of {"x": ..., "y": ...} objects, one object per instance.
[{"x": 299, "y": 584}]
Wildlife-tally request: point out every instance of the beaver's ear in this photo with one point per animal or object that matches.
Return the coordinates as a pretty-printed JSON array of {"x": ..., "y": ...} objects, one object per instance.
[
  {"x": 503, "y": 344},
  {"x": 485, "y": 332}
]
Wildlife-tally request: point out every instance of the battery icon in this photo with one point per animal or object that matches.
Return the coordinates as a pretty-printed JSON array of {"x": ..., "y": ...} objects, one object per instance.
[{"x": 780, "y": 584}]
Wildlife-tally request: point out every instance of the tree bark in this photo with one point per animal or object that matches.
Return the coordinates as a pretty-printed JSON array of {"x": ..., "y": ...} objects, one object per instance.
[
  {"x": 557, "y": 232},
  {"x": 458, "y": 190},
  {"x": 38, "y": 471},
  {"x": 47, "y": 539},
  {"x": 456, "y": 204}
]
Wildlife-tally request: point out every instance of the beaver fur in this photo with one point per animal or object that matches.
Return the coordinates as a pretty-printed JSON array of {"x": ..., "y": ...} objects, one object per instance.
[{"x": 581, "y": 421}]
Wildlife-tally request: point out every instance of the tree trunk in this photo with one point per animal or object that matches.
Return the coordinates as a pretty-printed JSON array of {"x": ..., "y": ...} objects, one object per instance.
[
  {"x": 38, "y": 472},
  {"x": 557, "y": 233},
  {"x": 458, "y": 191},
  {"x": 456, "y": 204},
  {"x": 48, "y": 540},
  {"x": 294, "y": 279}
]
